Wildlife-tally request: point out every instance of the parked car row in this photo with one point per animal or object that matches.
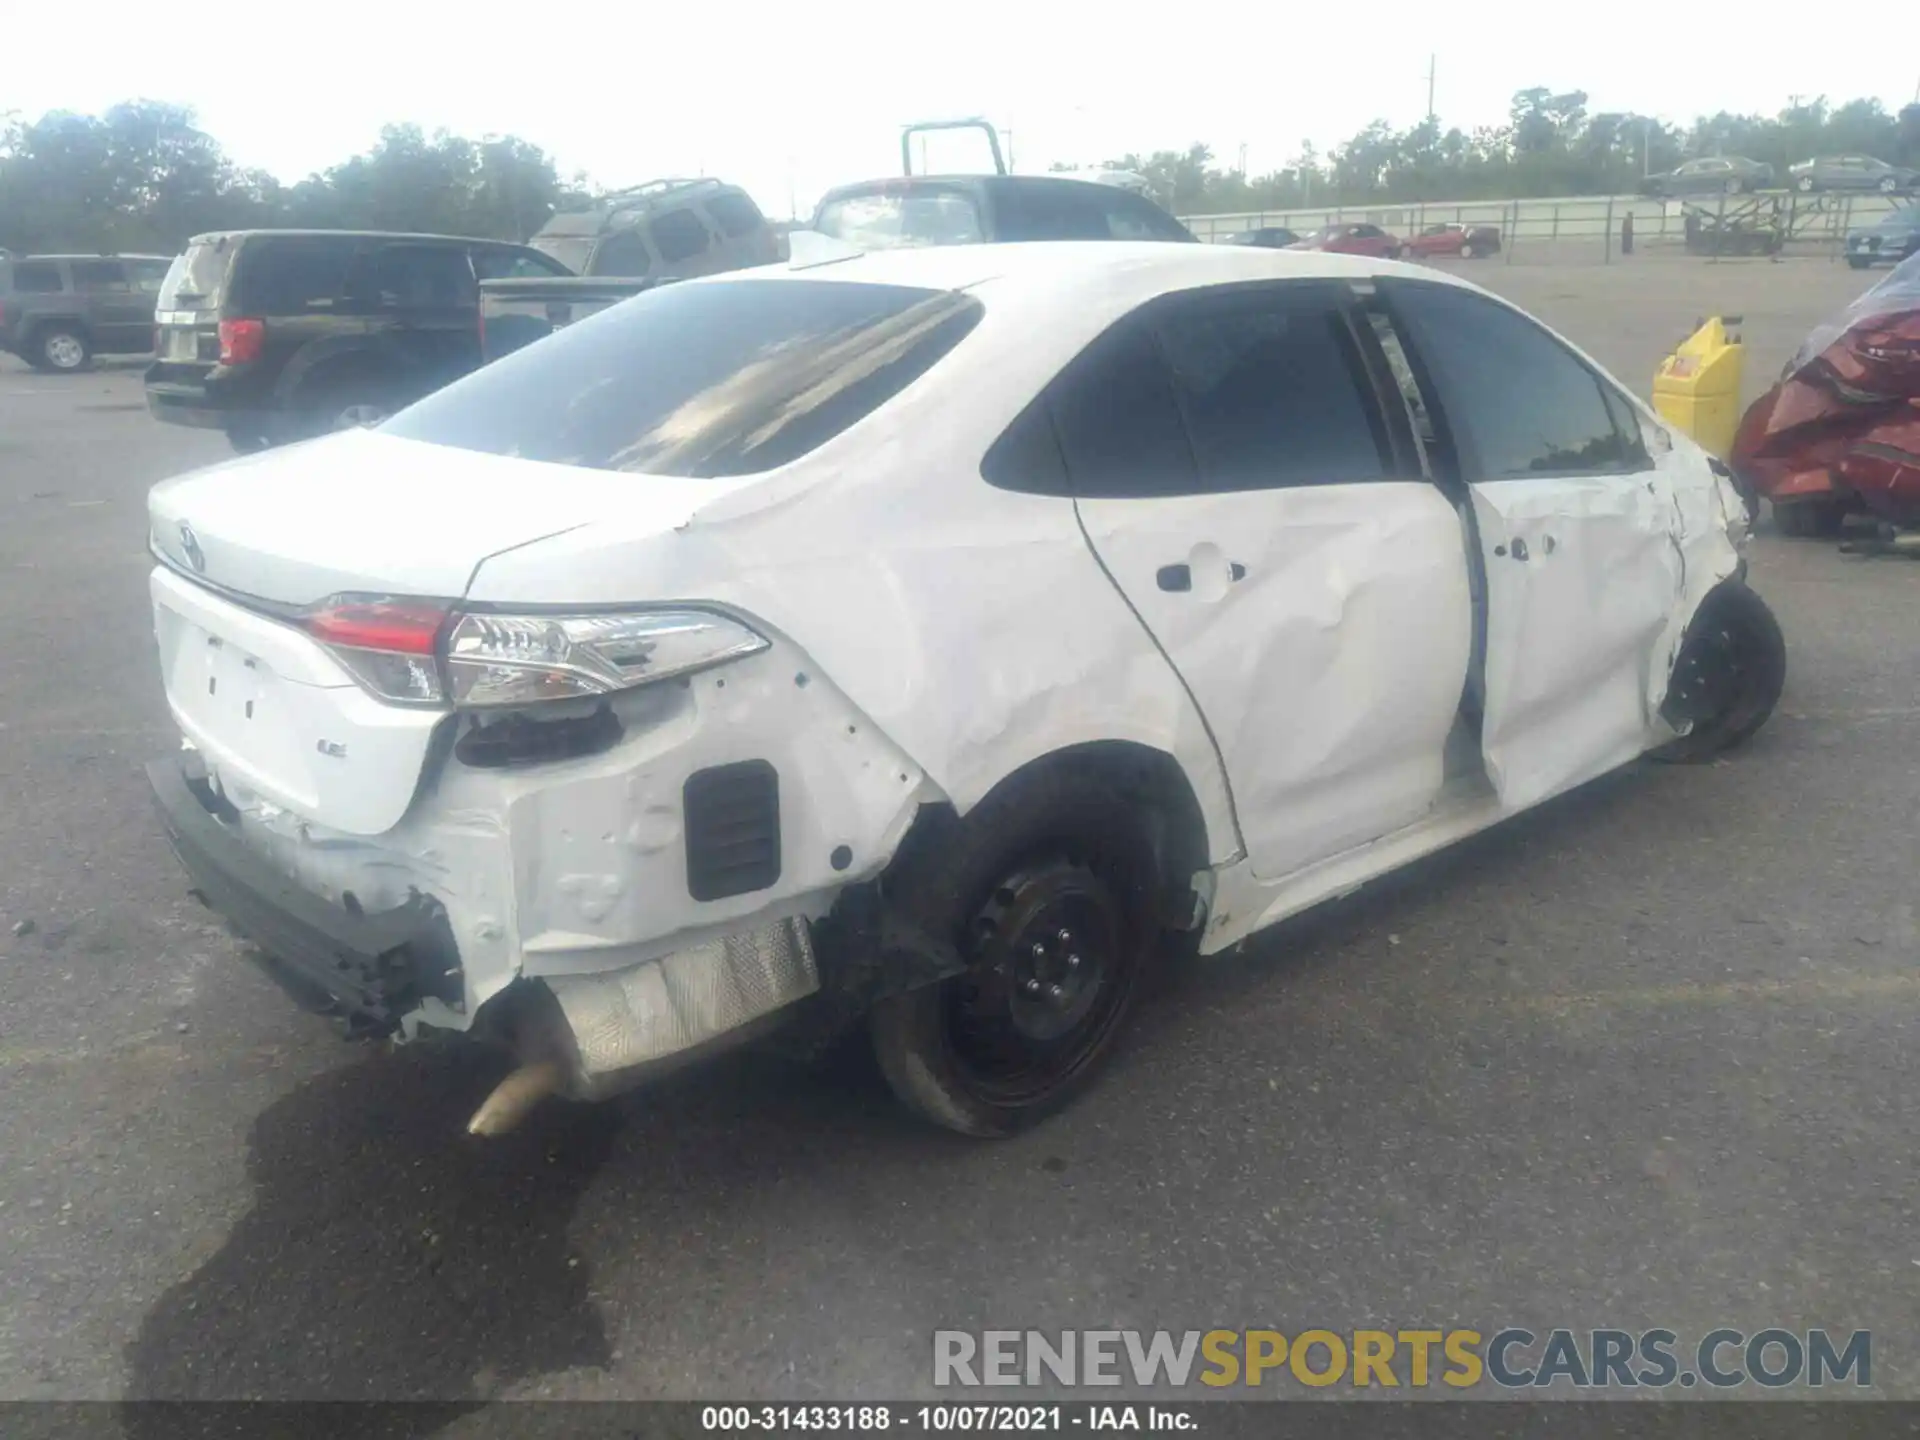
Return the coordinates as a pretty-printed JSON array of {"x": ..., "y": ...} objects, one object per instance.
[
  {"x": 58, "y": 311},
  {"x": 1736, "y": 174},
  {"x": 1454, "y": 239}
]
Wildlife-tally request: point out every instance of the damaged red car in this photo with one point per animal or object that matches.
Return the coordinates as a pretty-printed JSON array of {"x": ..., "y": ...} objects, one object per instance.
[{"x": 1840, "y": 433}]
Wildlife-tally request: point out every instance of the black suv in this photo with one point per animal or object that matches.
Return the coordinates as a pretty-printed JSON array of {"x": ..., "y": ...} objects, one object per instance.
[
  {"x": 278, "y": 335},
  {"x": 58, "y": 311}
]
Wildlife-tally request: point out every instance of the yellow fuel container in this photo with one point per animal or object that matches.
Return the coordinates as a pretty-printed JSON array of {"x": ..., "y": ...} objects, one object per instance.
[{"x": 1697, "y": 388}]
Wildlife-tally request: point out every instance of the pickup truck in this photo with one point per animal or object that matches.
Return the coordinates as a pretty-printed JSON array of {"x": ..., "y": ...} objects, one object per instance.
[{"x": 626, "y": 242}]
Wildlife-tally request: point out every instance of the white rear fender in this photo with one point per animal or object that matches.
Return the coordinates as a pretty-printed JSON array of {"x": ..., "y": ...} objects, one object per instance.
[{"x": 984, "y": 638}]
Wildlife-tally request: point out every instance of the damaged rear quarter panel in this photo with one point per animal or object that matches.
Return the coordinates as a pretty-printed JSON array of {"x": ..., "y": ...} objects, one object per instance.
[{"x": 971, "y": 626}]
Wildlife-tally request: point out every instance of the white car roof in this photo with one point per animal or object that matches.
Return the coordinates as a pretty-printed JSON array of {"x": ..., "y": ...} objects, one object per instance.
[{"x": 1123, "y": 271}]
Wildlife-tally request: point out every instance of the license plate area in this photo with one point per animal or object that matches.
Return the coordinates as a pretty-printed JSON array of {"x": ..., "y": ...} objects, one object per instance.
[
  {"x": 233, "y": 706},
  {"x": 180, "y": 344}
]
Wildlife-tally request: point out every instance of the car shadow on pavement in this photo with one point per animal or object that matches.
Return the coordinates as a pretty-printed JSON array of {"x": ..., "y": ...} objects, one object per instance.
[{"x": 387, "y": 1254}]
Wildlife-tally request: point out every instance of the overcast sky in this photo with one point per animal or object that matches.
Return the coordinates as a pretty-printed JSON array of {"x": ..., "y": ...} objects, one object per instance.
[{"x": 795, "y": 97}]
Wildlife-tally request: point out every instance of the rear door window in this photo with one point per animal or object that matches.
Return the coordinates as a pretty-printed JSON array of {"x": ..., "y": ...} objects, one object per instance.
[
  {"x": 100, "y": 276},
  {"x": 293, "y": 274},
  {"x": 1118, "y": 421},
  {"x": 624, "y": 254},
  {"x": 148, "y": 275},
  {"x": 731, "y": 377},
  {"x": 415, "y": 277},
  {"x": 1273, "y": 390},
  {"x": 736, "y": 215},
  {"x": 679, "y": 235},
  {"x": 36, "y": 277}
]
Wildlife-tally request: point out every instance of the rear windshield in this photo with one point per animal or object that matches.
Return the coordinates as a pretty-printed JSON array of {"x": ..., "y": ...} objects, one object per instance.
[
  {"x": 903, "y": 218},
  {"x": 197, "y": 279},
  {"x": 710, "y": 379}
]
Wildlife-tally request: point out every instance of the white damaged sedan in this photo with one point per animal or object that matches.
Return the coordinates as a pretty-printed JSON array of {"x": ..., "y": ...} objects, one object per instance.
[{"x": 920, "y": 640}]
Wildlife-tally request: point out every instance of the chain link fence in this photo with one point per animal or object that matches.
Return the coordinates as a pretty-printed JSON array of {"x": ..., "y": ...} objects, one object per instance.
[{"x": 1599, "y": 228}]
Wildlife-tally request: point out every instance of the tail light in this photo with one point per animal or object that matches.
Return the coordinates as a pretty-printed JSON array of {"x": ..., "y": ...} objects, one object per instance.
[
  {"x": 241, "y": 341},
  {"x": 421, "y": 652},
  {"x": 386, "y": 643}
]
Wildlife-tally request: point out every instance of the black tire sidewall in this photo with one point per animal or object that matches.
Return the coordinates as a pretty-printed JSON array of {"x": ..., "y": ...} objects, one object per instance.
[
  {"x": 1063, "y": 811},
  {"x": 1752, "y": 621},
  {"x": 328, "y": 397}
]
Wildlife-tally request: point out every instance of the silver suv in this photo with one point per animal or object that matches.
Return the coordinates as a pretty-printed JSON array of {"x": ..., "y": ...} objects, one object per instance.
[
  {"x": 58, "y": 311},
  {"x": 665, "y": 229}
]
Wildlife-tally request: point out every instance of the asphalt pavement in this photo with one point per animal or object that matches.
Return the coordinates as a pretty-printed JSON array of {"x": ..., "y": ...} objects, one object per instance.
[{"x": 1642, "y": 1058}]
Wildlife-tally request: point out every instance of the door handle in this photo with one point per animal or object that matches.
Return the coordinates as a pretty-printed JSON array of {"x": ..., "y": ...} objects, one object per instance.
[{"x": 1174, "y": 577}]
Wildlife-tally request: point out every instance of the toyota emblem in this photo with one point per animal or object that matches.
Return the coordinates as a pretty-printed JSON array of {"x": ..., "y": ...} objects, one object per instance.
[{"x": 196, "y": 557}]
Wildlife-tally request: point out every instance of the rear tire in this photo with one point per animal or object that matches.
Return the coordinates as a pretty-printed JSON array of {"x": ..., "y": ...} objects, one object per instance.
[
  {"x": 1734, "y": 187},
  {"x": 60, "y": 350},
  {"x": 1049, "y": 892},
  {"x": 1804, "y": 185},
  {"x": 1857, "y": 262},
  {"x": 1889, "y": 186},
  {"x": 350, "y": 402},
  {"x": 248, "y": 442},
  {"x": 1733, "y": 663}
]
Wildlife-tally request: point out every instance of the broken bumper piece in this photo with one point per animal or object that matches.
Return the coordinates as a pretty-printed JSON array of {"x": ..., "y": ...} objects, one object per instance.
[{"x": 366, "y": 969}]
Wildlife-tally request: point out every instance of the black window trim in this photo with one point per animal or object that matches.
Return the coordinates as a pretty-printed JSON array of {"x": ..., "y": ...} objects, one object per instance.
[
  {"x": 1380, "y": 398},
  {"x": 1458, "y": 445}
]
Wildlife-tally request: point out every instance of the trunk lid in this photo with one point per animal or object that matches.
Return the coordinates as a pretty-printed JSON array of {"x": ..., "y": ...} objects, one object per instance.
[
  {"x": 274, "y": 713},
  {"x": 371, "y": 513}
]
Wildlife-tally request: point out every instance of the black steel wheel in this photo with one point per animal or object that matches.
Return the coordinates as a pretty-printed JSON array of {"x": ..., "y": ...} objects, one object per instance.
[
  {"x": 1731, "y": 670},
  {"x": 1050, "y": 898}
]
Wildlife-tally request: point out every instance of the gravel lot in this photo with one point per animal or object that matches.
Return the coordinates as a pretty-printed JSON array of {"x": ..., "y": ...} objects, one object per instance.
[{"x": 1640, "y": 1059}]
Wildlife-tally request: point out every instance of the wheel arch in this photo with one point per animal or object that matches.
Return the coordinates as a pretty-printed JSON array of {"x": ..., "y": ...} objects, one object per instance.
[
  {"x": 36, "y": 326},
  {"x": 324, "y": 362}
]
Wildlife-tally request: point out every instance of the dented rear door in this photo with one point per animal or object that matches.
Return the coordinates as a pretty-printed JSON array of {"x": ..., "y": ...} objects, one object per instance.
[
  {"x": 1578, "y": 532},
  {"x": 1232, "y": 471}
]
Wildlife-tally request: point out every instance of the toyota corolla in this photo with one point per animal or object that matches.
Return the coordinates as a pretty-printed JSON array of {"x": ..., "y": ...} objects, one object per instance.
[{"x": 922, "y": 641}]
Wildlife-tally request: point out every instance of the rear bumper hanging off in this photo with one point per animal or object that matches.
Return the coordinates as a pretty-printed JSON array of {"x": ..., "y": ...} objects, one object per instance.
[{"x": 368, "y": 969}]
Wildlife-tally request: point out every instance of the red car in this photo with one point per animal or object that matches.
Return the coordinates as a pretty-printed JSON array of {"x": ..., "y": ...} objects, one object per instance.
[
  {"x": 1840, "y": 433},
  {"x": 1349, "y": 239},
  {"x": 1468, "y": 242}
]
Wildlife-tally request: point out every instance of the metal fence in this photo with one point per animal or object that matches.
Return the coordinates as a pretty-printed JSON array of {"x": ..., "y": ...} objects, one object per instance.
[{"x": 1591, "y": 225}]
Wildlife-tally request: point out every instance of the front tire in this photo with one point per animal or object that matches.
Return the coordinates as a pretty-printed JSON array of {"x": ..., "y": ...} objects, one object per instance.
[
  {"x": 61, "y": 350},
  {"x": 1049, "y": 893},
  {"x": 1804, "y": 185},
  {"x": 1889, "y": 186},
  {"x": 1731, "y": 670}
]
